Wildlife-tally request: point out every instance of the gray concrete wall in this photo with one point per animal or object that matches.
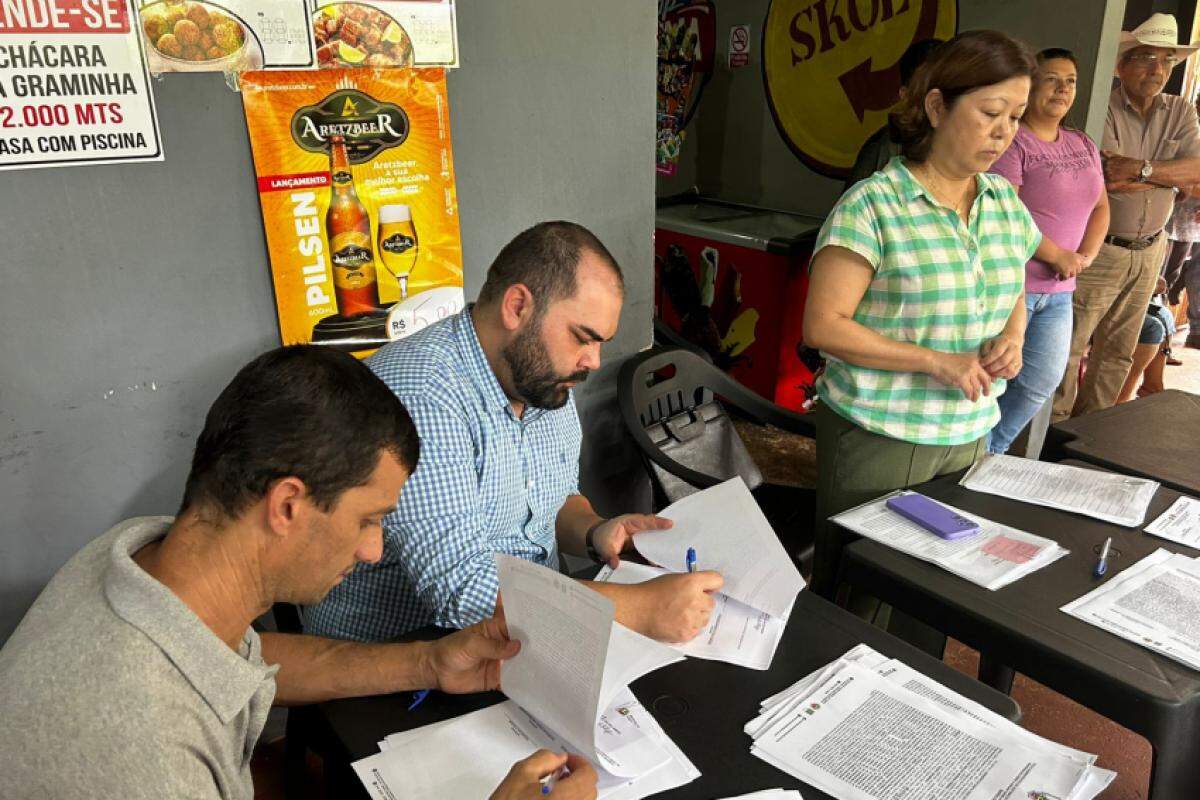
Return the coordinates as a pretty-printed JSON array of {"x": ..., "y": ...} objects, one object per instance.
[
  {"x": 734, "y": 151},
  {"x": 132, "y": 293}
]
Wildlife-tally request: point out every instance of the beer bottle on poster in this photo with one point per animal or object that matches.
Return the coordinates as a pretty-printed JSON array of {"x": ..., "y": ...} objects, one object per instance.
[
  {"x": 397, "y": 243},
  {"x": 348, "y": 227}
]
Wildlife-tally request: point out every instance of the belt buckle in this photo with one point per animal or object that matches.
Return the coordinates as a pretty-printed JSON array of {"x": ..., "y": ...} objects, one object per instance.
[{"x": 1138, "y": 244}]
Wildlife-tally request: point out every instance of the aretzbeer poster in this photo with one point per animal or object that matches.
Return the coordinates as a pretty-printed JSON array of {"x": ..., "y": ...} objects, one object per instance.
[
  {"x": 226, "y": 35},
  {"x": 73, "y": 85},
  {"x": 356, "y": 183}
]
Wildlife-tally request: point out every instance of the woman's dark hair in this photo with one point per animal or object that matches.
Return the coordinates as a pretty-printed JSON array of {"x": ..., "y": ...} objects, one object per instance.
[
  {"x": 305, "y": 411},
  {"x": 967, "y": 62},
  {"x": 1051, "y": 53}
]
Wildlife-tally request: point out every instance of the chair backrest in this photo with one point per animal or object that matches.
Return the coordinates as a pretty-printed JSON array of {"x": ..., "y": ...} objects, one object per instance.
[{"x": 682, "y": 430}]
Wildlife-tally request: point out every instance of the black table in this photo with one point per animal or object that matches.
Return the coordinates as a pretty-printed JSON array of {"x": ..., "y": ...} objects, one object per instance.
[
  {"x": 1021, "y": 625},
  {"x": 702, "y": 705},
  {"x": 1156, "y": 437}
]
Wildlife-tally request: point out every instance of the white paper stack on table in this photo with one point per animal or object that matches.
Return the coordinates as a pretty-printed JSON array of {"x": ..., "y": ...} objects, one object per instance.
[
  {"x": 1179, "y": 523},
  {"x": 867, "y": 727},
  {"x": 1103, "y": 495},
  {"x": 729, "y": 534},
  {"x": 1154, "y": 603},
  {"x": 569, "y": 692},
  {"x": 992, "y": 558}
]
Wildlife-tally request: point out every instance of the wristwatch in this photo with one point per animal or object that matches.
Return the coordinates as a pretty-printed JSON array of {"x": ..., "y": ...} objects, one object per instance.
[
  {"x": 1147, "y": 171},
  {"x": 591, "y": 545}
]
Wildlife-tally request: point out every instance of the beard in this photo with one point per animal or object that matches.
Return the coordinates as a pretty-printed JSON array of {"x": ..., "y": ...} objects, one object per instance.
[{"x": 534, "y": 378}]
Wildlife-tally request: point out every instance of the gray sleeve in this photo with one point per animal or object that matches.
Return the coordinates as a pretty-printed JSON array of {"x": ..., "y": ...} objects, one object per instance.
[{"x": 1189, "y": 134}]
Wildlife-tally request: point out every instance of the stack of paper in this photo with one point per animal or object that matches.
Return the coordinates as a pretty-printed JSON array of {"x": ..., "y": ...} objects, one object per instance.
[
  {"x": 1103, "y": 495},
  {"x": 729, "y": 534},
  {"x": 569, "y": 691},
  {"x": 1179, "y": 523},
  {"x": 1154, "y": 603},
  {"x": 770, "y": 794},
  {"x": 868, "y": 727},
  {"x": 992, "y": 558}
]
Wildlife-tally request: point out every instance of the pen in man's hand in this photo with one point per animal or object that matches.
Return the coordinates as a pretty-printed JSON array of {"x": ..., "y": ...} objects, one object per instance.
[{"x": 691, "y": 559}]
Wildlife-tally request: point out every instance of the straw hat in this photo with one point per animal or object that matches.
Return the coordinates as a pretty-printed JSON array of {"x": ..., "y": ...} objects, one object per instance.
[{"x": 1160, "y": 30}]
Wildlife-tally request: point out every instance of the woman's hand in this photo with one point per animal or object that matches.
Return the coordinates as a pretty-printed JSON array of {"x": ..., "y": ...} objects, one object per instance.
[
  {"x": 1069, "y": 264},
  {"x": 1001, "y": 357},
  {"x": 963, "y": 370}
]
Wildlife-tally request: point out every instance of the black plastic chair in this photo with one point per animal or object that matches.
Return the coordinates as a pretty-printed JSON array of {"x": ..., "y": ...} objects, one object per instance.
[{"x": 669, "y": 401}]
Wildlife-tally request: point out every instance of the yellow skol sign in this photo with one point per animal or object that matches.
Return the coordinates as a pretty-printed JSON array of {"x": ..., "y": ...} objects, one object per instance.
[{"x": 832, "y": 72}]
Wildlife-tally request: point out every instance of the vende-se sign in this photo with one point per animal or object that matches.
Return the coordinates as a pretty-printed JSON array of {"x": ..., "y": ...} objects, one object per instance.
[{"x": 73, "y": 85}]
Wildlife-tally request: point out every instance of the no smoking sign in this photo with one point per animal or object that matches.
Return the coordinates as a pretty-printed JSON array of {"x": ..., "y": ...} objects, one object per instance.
[{"x": 739, "y": 46}]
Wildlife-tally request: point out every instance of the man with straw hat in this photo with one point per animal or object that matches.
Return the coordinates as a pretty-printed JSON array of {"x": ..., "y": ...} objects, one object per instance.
[{"x": 1151, "y": 149}]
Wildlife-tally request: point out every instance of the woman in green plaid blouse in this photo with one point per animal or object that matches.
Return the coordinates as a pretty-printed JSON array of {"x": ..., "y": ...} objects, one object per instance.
[{"x": 916, "y": 296}]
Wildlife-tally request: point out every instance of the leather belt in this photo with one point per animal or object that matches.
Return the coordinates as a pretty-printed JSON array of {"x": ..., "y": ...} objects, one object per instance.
[{"x": 1132, "y": 244}]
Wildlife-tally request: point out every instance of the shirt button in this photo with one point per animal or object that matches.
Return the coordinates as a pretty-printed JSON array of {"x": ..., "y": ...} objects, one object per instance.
[{"x": 529, "y": 485}]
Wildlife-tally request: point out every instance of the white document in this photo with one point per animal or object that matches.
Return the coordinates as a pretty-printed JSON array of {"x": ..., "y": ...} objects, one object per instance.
[
  {"x": 1154, "y": 603},
  {"x": 992, "y": 558},
  {"x": 469, "y": 756},
  {"x": 1179, "y": 523},
  {"x": 736, "y": 633},
  {"x": 1103, "y": 495},
  {"x": 770, "y": 794},
  {"x": 859, "y": 736},
  {"x": 729, "y": 533},
  {"x": 574, "y": 657}
]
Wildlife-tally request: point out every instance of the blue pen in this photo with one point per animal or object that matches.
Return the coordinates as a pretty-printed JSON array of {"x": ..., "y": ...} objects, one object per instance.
[
  {"x": 1102, "y": 562},
  {"x": 691, "y": 559},
  {"x": 548, "y": 781},
  {"x": 418, "y": 697}
]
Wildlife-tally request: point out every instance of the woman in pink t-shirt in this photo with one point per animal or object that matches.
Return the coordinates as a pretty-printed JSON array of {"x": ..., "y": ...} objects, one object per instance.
[{"x": 1058, "y": 175}]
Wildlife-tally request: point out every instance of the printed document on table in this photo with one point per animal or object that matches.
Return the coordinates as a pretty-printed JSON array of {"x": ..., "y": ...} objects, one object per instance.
[
  {"x": 1104, "y": 495},
  {"x": 469, "y": 756},
  {"x": 992, "y": 558},
  {"x": 1154, "y": 603},
  {"x": 1179, "y": 523},
  {"x": 730, "y": 535},
  {"x": 574, "y": 657},
  {"x": 859, "y": 736},
  {"x": 736, "y": 633},
  {"x": 898, "y": 672}
]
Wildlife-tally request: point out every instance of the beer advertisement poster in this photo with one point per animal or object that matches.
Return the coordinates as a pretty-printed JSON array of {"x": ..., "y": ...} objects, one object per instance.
[
  {"x": 226, "y": 36},
  {"x": 73, "y": 85},
  {"x": 385, "y": 33},
  {"x": 356, "y": 183}
]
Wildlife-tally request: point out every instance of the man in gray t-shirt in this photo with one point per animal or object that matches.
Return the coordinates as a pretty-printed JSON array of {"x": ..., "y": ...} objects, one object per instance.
[{"x": 136, "y": 673}]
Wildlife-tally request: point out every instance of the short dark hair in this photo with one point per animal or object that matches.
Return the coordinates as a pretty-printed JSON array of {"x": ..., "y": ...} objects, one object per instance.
[
  {"x": 545, "y": 258},
  {"x": 306, "y": 411},
  {"x": 969, "y": 61},
  {"x": 1051, "y": 53},
  {"x": 916, "y": 55}
]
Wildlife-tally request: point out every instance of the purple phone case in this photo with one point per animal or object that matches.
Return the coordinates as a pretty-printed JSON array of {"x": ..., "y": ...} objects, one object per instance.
[{"x": 932, "y": 516}]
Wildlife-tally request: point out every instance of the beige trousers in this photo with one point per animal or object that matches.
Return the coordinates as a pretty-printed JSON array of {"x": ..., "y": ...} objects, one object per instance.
[{"x": 1109, "y": 306}]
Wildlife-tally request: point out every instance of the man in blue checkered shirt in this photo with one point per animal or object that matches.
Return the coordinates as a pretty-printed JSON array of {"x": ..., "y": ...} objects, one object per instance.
[{"x": 490, "y": 392}]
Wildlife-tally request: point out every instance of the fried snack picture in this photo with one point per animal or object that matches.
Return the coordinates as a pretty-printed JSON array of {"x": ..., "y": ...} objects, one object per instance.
[
  {"x": 355, "y": 35},
  {"x": 192, "y": 32}
]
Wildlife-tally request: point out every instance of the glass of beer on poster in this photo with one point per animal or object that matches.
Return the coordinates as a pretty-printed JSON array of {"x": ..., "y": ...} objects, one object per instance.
[{"x": 398, "y": 244}]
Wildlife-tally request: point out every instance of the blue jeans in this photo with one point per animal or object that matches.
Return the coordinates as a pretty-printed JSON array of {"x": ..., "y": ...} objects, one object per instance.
[{"x": 1047, "y": 347}]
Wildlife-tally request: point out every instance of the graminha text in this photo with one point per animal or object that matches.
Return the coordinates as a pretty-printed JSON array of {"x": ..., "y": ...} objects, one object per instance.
[{"x": 321, "y": 132}]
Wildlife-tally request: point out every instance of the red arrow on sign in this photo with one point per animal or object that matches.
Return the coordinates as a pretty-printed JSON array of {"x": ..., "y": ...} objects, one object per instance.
[{"x": 871, "y": 90}]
